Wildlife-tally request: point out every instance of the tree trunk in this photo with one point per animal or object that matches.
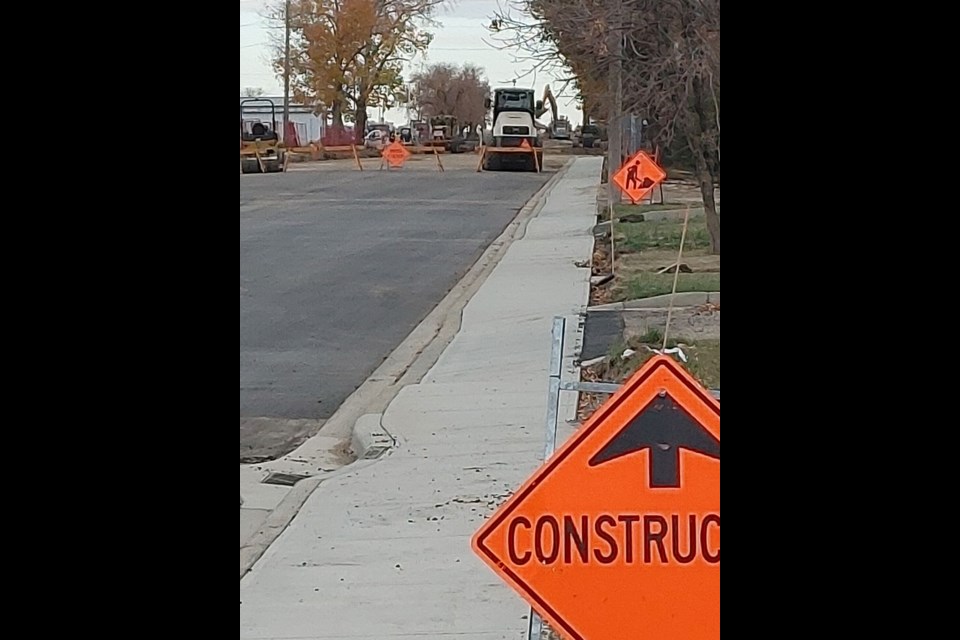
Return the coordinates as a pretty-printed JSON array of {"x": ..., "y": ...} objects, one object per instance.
[
  {"x": 710, "y": 211},
  {"x": 336, "y": 115},
  {"x": 705, "y": 163},
  {"x": 360, "y": 121},
  {"x": 709, "y": 204}
]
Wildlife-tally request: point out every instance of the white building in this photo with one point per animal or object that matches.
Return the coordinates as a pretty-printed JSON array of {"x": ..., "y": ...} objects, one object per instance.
[{"x": 307, "y": 125}]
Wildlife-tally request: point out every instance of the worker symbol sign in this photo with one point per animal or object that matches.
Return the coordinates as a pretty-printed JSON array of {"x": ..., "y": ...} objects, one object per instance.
[
  {"x": 395, "y": 154},
  {"x": 617, "y": 535},
  {"x": 638, "y": 176}
]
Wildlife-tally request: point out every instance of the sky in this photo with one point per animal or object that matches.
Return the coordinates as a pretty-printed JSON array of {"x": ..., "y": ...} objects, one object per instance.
[{"x": 462, "y": 37}]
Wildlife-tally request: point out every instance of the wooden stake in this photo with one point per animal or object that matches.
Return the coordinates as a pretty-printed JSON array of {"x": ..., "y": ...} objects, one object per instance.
[
  {"x": 356, "y": 157},
  {"x": 676, "y": 274}
]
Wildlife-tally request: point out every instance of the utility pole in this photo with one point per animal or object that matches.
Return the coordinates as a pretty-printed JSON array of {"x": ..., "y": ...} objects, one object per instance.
[
  {"x": 614, "y": 126},
  {"x": 615, "y": 91},
  {"x": 286, "y": 72}
]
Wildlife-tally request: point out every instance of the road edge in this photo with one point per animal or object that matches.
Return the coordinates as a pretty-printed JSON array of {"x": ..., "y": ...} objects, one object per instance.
[{"x": 406, "y": 364}]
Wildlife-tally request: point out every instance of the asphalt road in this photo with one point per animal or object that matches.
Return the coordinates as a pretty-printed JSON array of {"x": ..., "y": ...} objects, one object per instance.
[{"x": 337, "y": 268}]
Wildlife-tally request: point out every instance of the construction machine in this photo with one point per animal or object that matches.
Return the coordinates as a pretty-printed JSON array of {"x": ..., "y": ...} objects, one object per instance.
[
  {"x": 542, "y": 109},
  {"x": 514, "y": 122},
  {"x": 561, "y": 129},
  {"x": 590, "y": 136},
  {"x": 408, "y": 136},
  {"x": 446, "y": 133},
  {"x": 469, "y": 137},
  {"x": 442, "y": 127},
  {"x": 260, "y": 148},
  {"x": 422, "y": 131}
]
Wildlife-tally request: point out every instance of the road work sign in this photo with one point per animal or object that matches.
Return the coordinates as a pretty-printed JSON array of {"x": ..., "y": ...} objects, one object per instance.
[
  {"x": 617, "y": 535},
  {"x": 395, "y": 154},
  {"x": 638, "y": 176}
]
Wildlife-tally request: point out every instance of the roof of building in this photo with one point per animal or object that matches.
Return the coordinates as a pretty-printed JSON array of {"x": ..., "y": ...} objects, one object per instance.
[{"x": 277, "y": 102}]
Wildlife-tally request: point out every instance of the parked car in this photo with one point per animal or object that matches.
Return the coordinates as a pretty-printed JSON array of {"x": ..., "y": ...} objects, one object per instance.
[{"x": 376, "y": 139}]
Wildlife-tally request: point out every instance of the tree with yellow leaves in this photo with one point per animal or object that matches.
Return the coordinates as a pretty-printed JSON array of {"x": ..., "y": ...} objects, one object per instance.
[{"x": 348, "y": 55}]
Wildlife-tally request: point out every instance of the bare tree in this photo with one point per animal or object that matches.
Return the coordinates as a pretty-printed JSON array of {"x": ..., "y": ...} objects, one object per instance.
[
  {"x": 252, "y": 92},
  {"x": 671, "y": 61},
  {"x": 445, "y": 89},
  {"x": 433, "y": 89}
]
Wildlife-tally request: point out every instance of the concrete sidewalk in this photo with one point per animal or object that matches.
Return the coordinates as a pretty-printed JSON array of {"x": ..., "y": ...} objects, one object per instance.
[{"x": 383, "y": 551}]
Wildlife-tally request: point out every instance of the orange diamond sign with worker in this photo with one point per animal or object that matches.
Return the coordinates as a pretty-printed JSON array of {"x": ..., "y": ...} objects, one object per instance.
[
  {"x": 617, "y": 535},
  {"x": 638, "y": 176},
  {"x": 395, "y": 154}
]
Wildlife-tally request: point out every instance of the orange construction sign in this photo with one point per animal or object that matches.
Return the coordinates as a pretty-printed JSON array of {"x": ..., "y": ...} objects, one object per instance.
[
  {"x": 395, "y": 154},
  {"x": 617, "y": 535},
  {"x": 524, "y": 144},
  {"x": 638, "y": 176}
]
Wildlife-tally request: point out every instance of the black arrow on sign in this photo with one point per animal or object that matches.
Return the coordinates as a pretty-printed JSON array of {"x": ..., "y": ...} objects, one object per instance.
[{"x": 665, "y": 428}]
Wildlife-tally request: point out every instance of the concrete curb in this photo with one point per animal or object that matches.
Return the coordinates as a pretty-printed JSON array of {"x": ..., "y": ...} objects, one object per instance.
[
  {"x": 370, "y": 439},
  {"x": 361, "y": 412},
  {"x": 276, "y": 522},
  {"x": 686, "y": 299},
  {"x": 283, "y": 514},
  {"x": 674, "y": 214}
]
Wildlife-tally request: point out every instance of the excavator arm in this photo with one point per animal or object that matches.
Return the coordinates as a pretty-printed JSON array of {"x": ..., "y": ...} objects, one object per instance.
[{"x": 548, "y": 96}]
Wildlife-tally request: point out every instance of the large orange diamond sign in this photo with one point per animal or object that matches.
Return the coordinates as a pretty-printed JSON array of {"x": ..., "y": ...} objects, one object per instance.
[
  {"x": 617, "y": 535},
  {"x": 395, "y": 154},
  {"x": 638, "y": 176}
]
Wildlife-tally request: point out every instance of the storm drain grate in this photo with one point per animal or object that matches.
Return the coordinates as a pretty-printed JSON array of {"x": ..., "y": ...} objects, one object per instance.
[
  {"x": 375, "y": 451},
  {"x": 285, "y": 479}
]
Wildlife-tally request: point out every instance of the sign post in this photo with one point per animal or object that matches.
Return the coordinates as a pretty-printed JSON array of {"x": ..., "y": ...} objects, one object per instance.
[{"x": 618, "y": 533}]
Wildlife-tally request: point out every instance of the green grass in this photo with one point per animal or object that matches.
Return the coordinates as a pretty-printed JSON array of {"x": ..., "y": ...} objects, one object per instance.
[
  {"x": 639, "y": 236},
  {"x": 626, "y": 209},
  {"x": 652, "y": 336},
  {"x": 646, "y": 285},
  {"x": 703, "y": 361}
]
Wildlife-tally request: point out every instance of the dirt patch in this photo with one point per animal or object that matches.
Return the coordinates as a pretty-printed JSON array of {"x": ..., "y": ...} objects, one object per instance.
[
  {"x": 687, "y": 324},
  {"x": 264, "y": 439}
]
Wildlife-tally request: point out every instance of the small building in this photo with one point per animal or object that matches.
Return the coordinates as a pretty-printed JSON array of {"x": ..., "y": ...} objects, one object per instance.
[{"x": 304, "y": 123}]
